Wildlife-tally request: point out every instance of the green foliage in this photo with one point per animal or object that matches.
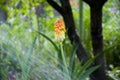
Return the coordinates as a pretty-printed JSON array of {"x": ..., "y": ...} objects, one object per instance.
[
  {"x": 111, "y": 31},
  {"x": 115, "y": 73},
  {"x": 29, "y": 51}
]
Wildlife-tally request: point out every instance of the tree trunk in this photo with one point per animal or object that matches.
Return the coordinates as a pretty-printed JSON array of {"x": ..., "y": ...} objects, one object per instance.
[
  {"x": 97, "y": 41},
  {"x": 72, "y": 33},
  {"x": 97, "y": 37},
  {"x": 96, "y": 33}
]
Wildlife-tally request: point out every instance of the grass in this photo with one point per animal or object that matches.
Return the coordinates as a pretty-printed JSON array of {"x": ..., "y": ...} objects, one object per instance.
[
  {"x": 24, "y": 58},
  {"x": 30, "y": 62}
]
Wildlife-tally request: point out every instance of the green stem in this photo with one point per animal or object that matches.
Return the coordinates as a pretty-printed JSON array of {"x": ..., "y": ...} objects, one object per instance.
[
  {"x": 81, "y": 18},
  {"x": 64, "y": 61}
]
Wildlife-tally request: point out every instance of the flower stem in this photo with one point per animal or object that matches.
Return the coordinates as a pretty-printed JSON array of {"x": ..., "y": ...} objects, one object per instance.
[{"x": 64, "y": 62}]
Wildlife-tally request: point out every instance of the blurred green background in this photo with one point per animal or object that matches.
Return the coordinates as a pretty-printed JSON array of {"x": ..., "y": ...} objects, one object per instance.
[{"x": 25, "y": 54}]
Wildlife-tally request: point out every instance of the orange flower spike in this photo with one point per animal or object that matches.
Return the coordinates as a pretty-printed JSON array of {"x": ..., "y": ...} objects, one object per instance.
[{"x": 59, "y": 29}]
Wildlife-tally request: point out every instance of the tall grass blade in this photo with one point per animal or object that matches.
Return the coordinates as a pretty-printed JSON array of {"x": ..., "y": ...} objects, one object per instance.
[
  {"x": 86, "y": 74},
  {"x": 85, "y": 66},
  {"x": 72, "y": 60},
  {"x": 49, "y": 40}
]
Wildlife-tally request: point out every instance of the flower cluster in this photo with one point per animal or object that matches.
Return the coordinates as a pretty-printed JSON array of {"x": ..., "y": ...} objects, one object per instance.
[{"x": 59, "y": 29}]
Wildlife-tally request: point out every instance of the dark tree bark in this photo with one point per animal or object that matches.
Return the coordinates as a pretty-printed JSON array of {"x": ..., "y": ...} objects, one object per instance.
[
  {"x": 96, "y": 33},
  {"x": 66, "y": 12},
  {"x": 72, "y": 33},
  {"x": 97, "y": 42},
  {"x": 97, "y": 37}
]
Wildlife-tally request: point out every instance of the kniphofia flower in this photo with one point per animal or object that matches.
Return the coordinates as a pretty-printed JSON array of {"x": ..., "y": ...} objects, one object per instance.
[{"x": 59, "y": 29}]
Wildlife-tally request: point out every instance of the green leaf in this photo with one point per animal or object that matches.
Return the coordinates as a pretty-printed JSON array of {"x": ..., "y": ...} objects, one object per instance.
[
  {"x": 84, "y": 67},
  {"x": 87, "y": 73},
  {"x": 72, "y": 60},
  {"x": 49, "y": 40}
]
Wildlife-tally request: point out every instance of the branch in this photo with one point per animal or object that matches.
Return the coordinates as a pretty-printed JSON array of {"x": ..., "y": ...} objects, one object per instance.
[
  {"x": 63, "y": 2},
  {"x": 55, "y": 6},
  {"x": 87, "y": 1},
  {"x": 93, "y": 2}
]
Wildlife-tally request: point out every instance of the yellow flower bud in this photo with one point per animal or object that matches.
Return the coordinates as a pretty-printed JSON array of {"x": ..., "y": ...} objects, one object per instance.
[{"x": 59, "y": 29}]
